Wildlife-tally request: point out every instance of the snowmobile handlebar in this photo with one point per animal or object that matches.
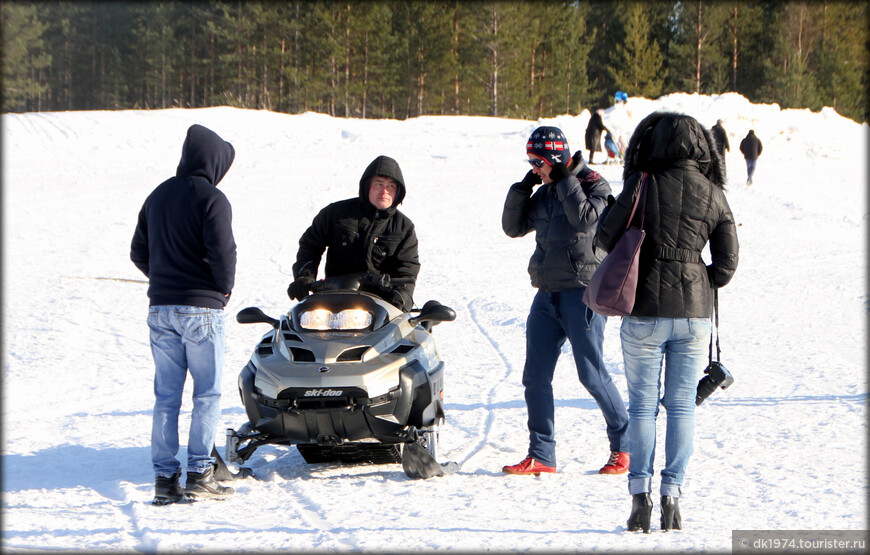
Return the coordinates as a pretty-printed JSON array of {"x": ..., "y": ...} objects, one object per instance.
[{"x": 353, "y": 282}]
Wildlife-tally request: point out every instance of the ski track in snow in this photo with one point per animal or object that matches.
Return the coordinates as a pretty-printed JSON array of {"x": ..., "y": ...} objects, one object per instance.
[
  {"x": 313, "y": 513},
  {"x": 77, "y": 368},
  {"x": 490, "y": 398}
]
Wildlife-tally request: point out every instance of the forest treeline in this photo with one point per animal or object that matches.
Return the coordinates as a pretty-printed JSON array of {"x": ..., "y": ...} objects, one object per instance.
[{"x": 400, "y": 59}]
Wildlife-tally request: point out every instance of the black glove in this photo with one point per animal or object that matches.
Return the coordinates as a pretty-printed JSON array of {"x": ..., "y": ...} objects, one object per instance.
[
  {"x": 559, "y": 172},
  {"x": 379, "y": 280},
  {"x": 298, "y": 290},
  {"x": 529, "y": 181}
]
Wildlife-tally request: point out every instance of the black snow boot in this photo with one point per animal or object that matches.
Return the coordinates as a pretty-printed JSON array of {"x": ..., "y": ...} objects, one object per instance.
[
  {"x": 641, "y": 510},
  {"x": 167, "y": 490},
  {"x": 671, "y": 513},
  {"x": 202, "y": 485}
]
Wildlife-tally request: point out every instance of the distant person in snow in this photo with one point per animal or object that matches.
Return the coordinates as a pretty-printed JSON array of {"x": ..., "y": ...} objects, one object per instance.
[
  {"x": 366, "y": 235},
  {"x": 750, "y": 146},
  {"x": 685, "y": 209},
  {"x": 613, "y": 152},
  {"x": 563, "y": 213},
  {"x": 593, "y": 134},
  {"x": 184, "y": 244},
  {"x": 721, "y": 138}
]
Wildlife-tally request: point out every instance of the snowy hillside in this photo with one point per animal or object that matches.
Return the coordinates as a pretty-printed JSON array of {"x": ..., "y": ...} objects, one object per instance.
[{"x": 784, "y": 448}]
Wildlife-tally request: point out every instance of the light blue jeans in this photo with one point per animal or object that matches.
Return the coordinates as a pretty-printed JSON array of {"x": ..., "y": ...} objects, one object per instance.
[
  {"x": 750, "y": 170},
  {"x": 683, "y": 344},
  {"x": 185, "y": 338}
]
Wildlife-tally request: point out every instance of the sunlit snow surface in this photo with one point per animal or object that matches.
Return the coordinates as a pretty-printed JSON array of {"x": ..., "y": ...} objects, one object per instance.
[{"x": 784, "y": 448}]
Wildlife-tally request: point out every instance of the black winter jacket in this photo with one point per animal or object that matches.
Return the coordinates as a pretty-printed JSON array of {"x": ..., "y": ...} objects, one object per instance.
[
  {"x": 563, "y": 216},
  {"x": 184, "y": 239},
  {"x": 750, "y": 146},
  {"x": 685, "y": 208},
  {"x": 593, "y": 132},
  {"x": 721, "y": 138},
  {"x": 357, "y": 237}
]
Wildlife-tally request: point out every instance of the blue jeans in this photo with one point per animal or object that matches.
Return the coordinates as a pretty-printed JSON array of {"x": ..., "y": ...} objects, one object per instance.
[
  {"x": 553, "y": 318},
  {"x": 185, "y": 338},
  {"x": 683, "y": 344},
  {"x": 750, "y": 170}
]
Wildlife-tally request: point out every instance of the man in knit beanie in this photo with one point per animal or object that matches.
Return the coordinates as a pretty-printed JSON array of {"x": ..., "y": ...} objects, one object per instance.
[
  {"x": 550, "y": 145},
  {"x": 563, "y": 213}
]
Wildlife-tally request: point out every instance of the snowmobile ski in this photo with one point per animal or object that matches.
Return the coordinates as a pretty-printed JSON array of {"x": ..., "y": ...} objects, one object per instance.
[
  {"x": 418, "y": 464},
  {"x": 222, "y": 472}
]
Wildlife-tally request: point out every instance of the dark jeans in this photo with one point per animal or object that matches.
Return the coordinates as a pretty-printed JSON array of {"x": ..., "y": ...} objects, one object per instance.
[{"x": 553, "y": 318}]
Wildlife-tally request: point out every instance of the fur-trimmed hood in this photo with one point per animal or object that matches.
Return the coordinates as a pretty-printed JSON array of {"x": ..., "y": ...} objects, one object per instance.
[{"x": 664, "y": 139}]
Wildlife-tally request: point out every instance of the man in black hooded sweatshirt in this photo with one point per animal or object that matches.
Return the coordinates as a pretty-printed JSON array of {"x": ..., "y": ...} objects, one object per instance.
[
  {"x": 184, "y": 244},
  {"x": 366, "y": 236}
]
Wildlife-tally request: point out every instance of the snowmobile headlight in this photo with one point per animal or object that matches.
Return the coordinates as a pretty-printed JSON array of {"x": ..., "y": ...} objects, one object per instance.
[
  {"x": 322, "y": 319},
  {"x": 352, "y": 319},
  {"x": 315, "y": 319}
]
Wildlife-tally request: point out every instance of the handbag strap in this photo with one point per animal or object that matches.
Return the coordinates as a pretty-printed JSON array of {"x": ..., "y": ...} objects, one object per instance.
[
  {"x": 716, "y": 326},
  {"x": 641, "y": 191}
]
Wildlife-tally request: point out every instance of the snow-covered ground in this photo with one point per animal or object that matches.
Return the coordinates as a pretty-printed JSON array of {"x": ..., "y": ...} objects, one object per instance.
[{"x": 784, "y": 448}]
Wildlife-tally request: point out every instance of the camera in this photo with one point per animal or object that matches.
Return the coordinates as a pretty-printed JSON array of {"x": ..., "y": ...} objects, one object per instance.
[{"x": 716, "y": 376}]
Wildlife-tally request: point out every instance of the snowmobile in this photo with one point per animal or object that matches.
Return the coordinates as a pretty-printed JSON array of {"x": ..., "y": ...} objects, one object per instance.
[{"x": 348, "y": 378}]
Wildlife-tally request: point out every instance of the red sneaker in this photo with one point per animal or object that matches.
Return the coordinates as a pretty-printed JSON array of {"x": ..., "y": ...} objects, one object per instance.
[
  {"x": 616, "y": 464},
  {"x": 529, "y": 466}
]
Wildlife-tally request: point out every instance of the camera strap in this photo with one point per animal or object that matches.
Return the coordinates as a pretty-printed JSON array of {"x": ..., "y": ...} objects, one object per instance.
[{"x": 715, "y": 325}]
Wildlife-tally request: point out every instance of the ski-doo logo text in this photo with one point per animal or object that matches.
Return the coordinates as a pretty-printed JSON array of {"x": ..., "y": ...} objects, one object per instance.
[{"x": 322, "y": 393}]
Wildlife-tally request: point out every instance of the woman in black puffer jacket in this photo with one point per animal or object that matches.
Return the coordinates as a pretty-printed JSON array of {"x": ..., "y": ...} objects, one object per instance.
[{"x": 685, "y": 208}]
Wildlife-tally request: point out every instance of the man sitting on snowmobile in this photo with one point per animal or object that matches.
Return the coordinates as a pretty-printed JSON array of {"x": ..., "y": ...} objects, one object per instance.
[{"x": 367, "y": 236}]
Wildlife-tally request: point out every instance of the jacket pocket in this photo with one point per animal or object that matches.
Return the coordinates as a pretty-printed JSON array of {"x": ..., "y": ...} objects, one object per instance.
[
  {"x": 383, "y": 248},
  {"x": 345, "y": 237}
]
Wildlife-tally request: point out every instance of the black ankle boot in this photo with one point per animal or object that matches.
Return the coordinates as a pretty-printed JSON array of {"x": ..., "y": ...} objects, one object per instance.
[
  {"x": 203, "y": 485},
  {"x": 641, "y": 510},
  {"x": 167, "y": 489},
  {"x": 671, "y": 513}
]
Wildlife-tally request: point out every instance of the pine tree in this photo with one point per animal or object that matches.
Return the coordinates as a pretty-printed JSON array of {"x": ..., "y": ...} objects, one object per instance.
[
  {"x": 840, "y": 62},
  {"x": 23, "y": 57},
  {"x": 697, "y": 27},
  {"x": 791, "y": 80},
  {"x": 401, "y": 59},
  {"x": 569, "y": 47},
  {"x": 742, "y": 23},
  {"x": 637, "y": 67}
]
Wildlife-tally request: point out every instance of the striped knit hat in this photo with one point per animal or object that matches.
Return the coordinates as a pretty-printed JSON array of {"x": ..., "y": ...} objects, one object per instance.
[{"x": 550, "y": 144}]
